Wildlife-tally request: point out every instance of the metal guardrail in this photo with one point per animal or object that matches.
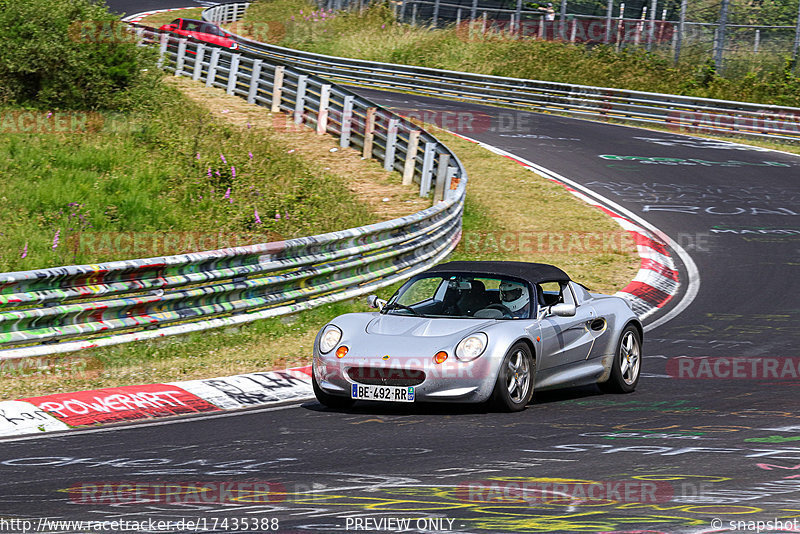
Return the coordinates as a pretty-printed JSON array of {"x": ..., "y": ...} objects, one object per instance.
[
  {"x": 684, "y": 113},
  {"x": 70, "y": 308}
]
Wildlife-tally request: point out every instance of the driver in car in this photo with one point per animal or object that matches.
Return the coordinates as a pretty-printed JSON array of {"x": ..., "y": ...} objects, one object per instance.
[{"x": 514, "y": 296}]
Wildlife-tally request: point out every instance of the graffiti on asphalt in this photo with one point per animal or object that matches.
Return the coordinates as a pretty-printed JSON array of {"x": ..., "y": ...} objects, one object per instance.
[{"x": 688, "y": 142}]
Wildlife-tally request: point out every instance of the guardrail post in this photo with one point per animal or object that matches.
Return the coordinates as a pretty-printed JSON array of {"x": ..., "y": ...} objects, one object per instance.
[
  {"x": 347, "y": 121},
  {"x": 277, "y": 90},
  {"x": 414, "y": 14},
  {"x": 181, "y": 59},
  {"x": 391, "y": 144},
  {"x": 369, "y": 132},
  {"x": 435, "y": 22},
  {"x": 427, "y": 169},
  {"x": 233, "y": 73},
  {"x": 300, "y": 100},
  {"x": 322, "y": 114},
  {"x": 162, "y": 50},
  {"x": 255, "y": 77},
  {"x": 411, "y": 157},
  {"x": 198, "y": 62},
  {"x": 212, "y": 68},
  {"x": 451, "y": 184},
  {"x": 441, "y": 177}
]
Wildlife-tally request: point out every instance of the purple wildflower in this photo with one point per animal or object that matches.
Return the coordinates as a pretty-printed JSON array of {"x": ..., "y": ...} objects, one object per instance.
[
  {"x": 277, "y": 216},
  {"x": 258, "y": 219},
  {"x": 227, "y": 194},
  {"x": 198, "y": 155},
  {"x": 250, "y": 154},
  {"x": 55, "y": 239},
  {"x": 233, "y": 171},
  {"x": 24, "y": 250},
  {"x": 209, "y": 172},
  {"x": 223, "y": 159}
]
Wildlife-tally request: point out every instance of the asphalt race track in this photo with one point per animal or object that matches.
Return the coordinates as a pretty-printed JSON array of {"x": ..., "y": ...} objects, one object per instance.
[{"x": 703, "y": 442}]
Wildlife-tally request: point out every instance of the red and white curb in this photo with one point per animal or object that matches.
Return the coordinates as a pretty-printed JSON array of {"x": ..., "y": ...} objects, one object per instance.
[
  {"x": 65, "y": 411},
  {"x": 657, "y": 281}
]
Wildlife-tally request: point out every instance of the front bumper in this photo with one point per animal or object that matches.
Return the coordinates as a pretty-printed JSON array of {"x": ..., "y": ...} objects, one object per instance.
[{"x": 451, "y": 381}]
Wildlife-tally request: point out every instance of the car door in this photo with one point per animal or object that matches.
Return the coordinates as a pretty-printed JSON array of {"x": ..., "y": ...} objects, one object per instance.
[{"x": 565, "y": 340}]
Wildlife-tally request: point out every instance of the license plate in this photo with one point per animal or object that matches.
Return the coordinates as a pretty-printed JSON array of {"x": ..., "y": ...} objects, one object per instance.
[{"x": 382, "y": 393}]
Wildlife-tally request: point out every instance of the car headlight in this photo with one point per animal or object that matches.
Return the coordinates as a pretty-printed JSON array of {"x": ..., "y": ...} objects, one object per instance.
[
  {"x": 330, "y": 337},
  {"x": 471, "y": 347}
]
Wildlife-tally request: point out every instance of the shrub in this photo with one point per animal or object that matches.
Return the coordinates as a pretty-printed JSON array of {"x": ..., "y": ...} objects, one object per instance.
[{"x": 70, "y": 54}]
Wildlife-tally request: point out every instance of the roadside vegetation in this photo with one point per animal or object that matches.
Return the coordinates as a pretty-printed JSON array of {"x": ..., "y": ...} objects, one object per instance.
[
  {"x": 374, "y": 35},
  {"x": 188, "y": 160}
]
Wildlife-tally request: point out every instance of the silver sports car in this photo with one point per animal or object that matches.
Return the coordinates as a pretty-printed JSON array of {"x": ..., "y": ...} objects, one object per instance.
[{"x": 474, "y": 331}]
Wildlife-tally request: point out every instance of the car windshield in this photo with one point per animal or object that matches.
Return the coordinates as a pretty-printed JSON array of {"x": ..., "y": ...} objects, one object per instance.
[
  {"x": 462, "y": 296},
  {"x": 201, "y": 27}
]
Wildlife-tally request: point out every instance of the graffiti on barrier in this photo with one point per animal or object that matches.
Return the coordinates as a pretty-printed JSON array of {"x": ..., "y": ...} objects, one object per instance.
[
  {"x": 17, "y": 417},
  {"x": 250, "y": 389},
  {"x": 125, "y": 403}
]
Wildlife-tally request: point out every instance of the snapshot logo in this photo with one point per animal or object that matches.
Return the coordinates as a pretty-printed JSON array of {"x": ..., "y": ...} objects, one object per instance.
[
  {"x": 734, "y": 368},
  {"x": 547, "y": 242},
  {"x": 191, "y": 492},
  {"x": 564, "y": 491}
]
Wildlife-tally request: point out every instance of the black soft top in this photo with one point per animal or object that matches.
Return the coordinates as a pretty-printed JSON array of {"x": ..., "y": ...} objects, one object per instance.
[{"x": 532, "y": 272}]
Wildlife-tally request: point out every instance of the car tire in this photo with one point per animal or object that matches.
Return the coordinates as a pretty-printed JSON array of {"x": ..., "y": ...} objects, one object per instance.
[
  {"x": 513, "y": 388},
  {"x": 326, "y": 399},
  {"x": 627, "y": 364}
]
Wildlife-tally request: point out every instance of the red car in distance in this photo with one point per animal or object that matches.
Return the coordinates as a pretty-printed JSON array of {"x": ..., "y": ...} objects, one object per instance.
[{"x": 201, "y": 31}]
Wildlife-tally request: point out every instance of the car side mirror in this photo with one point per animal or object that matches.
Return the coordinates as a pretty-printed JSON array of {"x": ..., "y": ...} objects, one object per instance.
[
  {"x": 374, "y": 302},
  {"x": 563, "y": 310}
]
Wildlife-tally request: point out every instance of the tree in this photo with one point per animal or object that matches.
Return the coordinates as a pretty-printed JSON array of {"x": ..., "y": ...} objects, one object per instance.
[{"x": 69, "y": 54}]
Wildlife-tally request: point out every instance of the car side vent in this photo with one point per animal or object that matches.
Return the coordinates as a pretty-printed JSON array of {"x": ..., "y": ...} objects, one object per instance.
[{"x": 598, "y": 325}]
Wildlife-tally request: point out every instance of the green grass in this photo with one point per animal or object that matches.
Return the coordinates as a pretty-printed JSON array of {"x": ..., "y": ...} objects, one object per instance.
[
  {"x": 287, "y": 341},
  {"x": 375, "y": 36},
  {"x": 118, "y": 193}
]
